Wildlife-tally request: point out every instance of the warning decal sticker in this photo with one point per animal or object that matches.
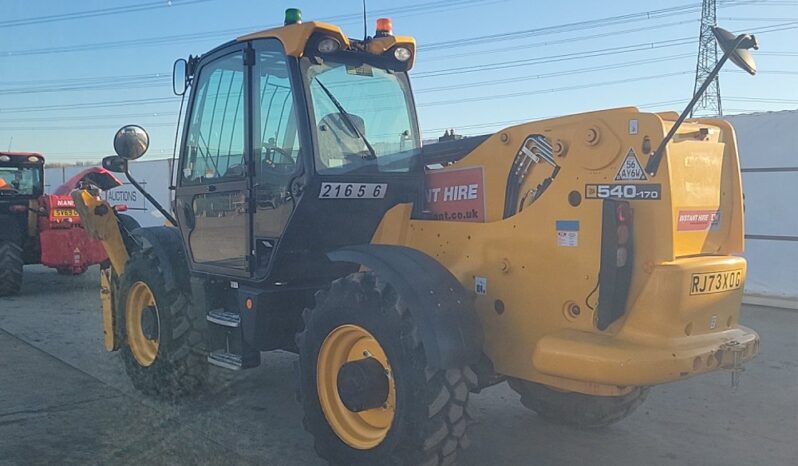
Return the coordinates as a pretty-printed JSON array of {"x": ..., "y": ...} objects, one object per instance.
[
  {"x": 631, "y": 170},
  {"x": 567, "y": 233}
]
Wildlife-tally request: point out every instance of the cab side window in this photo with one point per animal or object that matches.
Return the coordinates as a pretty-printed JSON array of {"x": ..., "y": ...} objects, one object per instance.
[
  {"x": 275, "y": 142},
  {"x": 215, "y": 146}
]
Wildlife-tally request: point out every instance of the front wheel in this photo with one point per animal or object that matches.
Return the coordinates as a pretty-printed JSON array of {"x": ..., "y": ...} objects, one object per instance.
[
  {"x": 163, "y": 352},
  {"x": 577, "y": 409},
  {"x": 369, "y": 397},
  {"x": 11, "y": 263}
]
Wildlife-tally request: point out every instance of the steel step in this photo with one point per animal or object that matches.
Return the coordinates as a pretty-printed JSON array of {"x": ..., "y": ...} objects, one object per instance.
[
  {"x": 224, "y": 318},
  {"x": 226, "y": 360}
]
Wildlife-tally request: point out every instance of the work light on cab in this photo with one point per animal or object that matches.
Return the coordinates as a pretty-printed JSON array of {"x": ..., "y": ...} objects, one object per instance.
[
  {"x": 402, "y": 54},
  {"x": 329, "y": 45}
]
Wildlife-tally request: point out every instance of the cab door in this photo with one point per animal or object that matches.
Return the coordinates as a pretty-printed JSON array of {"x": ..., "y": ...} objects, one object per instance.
[
  {"x": 277, "y": 150},
  {"x": 212, "y": 199}
]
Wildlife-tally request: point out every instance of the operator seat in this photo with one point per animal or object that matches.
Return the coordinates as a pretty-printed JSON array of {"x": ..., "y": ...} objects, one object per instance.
[{"x": 338, "y": 144}]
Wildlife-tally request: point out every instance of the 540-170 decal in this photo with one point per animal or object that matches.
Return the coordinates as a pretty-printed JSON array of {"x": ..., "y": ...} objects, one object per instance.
[{"x": 648, "y": 191}]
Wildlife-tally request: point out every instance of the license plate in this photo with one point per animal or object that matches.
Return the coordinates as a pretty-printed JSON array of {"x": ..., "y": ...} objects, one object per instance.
[
  {"x": 716, "y": 282},
  {"x": 65, "y": 213}
]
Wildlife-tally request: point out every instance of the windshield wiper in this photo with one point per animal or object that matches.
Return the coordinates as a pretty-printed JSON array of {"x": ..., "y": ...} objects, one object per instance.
[{"x": 348, "y": 119}]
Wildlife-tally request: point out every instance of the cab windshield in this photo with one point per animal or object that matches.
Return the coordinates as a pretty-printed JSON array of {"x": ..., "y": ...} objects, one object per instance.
[
  {"x": 363, "y": 118},
  {"x": 20, "y": 181}
]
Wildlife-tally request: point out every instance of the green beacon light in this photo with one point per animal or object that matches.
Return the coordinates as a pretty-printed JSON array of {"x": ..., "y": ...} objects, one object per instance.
[{"x": 293, "y": 16}]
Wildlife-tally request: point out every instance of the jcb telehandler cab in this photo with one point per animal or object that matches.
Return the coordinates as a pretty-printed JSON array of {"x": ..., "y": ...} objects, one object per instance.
[{"x": 566, "y": 256}]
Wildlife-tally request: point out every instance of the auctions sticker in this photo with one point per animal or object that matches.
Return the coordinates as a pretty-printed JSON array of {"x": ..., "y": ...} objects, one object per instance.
[
  {"x": 631, "y": 170},
  {"x": 567, "y": 233},
  {"x": 698, "y": 220}
]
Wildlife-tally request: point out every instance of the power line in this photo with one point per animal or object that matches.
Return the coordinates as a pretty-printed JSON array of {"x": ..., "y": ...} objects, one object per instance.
[
  {"x": 101, "y": 104},
  {"x": 98, "y": 12},
  {"x": 553, "y": 90},
  {"x": 94, "y": 117},
  {"x": 401, "y": 11},
  {"x": 553, "y": 74}
]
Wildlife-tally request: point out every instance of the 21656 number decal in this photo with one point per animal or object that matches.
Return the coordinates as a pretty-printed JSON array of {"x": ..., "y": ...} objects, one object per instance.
[
  {"x": 651, "y": 192},
  {"x": 353, "y": 190}
]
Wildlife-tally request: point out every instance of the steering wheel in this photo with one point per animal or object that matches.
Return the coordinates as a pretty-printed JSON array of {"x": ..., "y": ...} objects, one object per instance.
[{"x": 284, "y": 154}]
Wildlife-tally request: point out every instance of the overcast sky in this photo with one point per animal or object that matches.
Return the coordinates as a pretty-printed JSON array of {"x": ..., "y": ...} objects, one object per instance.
[{"x": 71, "y": 73}]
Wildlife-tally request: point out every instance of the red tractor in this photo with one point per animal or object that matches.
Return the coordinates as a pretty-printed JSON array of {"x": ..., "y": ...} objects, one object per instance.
[{"x": 38, "y": 228}]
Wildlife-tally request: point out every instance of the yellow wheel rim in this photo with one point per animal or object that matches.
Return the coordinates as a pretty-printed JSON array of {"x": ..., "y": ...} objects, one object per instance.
[
  {"x": 366, "y": 429},
  {"x": 140, "y": 300}
]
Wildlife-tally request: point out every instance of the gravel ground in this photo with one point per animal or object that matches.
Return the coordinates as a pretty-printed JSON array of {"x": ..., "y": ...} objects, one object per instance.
[{"x": 63, "y": 400}]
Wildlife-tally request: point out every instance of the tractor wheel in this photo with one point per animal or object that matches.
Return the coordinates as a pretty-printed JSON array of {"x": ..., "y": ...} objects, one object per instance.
[
  {"x": 577, "y": 409},
  {"x": 368, "y": 396},
  {"x": 163, "y": 352},
  {"x": 10, "y": 268}
]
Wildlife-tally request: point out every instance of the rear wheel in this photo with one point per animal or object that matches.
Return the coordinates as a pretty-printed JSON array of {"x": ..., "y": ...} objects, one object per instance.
[
  {"x": 11, "y": 263},
  {"x": 577, "y": 409},
  {"x": 368, "y": 395},
  {"x": 164, "y": 353}
]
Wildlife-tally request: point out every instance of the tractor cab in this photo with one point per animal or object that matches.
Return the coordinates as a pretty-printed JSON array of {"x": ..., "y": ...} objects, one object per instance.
[
  {"x": 21, "y": 176},
  {"x": 296, "y": 142},
  {"x": 21, "y": 185}
]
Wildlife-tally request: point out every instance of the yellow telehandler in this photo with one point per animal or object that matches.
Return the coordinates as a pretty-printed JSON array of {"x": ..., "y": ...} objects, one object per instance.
[{"x": 582, "y": 259}]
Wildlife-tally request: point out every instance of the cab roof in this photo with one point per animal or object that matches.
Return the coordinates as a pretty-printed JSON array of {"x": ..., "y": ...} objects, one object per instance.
[{"x": 21, "y": 154}]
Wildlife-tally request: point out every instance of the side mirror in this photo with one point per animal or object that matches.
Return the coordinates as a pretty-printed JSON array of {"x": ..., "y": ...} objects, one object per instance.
[
  {"x": 131, "y": 142},
  {"x": 737, "y": 48},
  {"x": 115, "y": 163},
  {"x": 179, "y": 76}
]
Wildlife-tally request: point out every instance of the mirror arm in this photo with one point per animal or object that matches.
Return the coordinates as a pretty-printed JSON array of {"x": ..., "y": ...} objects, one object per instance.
[
  {"x": 653, "y": 162},
  {"x": 149, "y": 197}
]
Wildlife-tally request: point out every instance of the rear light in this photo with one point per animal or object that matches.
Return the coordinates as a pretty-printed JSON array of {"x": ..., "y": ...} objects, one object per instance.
[
  {"x": 617, "y": 257},
  {"x": 384, "y": 27},
  {"x": 120, "y": 207}
]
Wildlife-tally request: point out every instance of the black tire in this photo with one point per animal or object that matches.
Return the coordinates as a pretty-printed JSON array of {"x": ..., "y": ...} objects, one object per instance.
[
  {"x": 11, "y": 263},
  {"x": 577, "y": 409},
  {"x": 431, "y": 413},
  {"x": 180, "y": 367}
]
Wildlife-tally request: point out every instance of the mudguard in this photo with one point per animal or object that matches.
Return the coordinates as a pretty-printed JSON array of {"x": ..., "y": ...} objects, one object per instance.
[
  {"x": 168, "y": 248},
  {"x": 447, "y": 320}
]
